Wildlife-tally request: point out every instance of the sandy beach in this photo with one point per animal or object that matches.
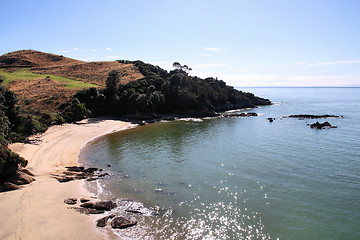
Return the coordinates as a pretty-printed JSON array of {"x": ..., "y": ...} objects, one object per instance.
[{"x": 37, "y": 211}]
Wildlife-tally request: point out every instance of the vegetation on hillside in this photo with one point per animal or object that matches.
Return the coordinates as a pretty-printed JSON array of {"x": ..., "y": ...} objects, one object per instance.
[
  {"x": 12, "y": 127},
  {"x": 160, "y": 92}
]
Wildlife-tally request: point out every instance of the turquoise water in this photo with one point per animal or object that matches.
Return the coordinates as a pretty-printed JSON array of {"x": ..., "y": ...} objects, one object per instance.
[{"x": 243, "y": 178}]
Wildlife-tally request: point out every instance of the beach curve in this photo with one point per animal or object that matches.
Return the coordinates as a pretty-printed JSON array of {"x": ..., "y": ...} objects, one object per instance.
[{"x": 37, "y": 211}]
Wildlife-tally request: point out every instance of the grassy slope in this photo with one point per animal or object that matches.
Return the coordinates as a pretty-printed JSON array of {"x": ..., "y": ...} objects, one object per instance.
[{"x": 24, "y": 73}]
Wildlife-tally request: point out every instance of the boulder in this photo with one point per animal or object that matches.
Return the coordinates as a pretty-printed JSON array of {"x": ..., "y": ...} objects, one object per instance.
[
  {"x": 103, "y": 221},
  {"x": 123, "y": 222},
  {"x": 27, "y": 171},
  {"x": 21, "y": 178},
  {"x": 102, "y": 205},
  {"x": 8, "y": 186},
  {"x": 87, "y": 205},
  {"x": 70, "y": 201},
  {"x": 83, "y": 200}
]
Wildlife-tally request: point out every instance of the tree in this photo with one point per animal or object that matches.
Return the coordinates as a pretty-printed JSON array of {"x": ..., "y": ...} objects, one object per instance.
[{"x": 113, "y": 80}]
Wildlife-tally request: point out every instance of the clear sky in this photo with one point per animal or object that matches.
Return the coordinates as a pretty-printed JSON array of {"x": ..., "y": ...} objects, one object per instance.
[{"x": 243, "y": 42}]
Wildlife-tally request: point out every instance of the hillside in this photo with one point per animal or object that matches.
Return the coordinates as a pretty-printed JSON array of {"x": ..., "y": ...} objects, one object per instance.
[
  {"x": 51, "y": 64},
  {"x": 43, "y": 81}
]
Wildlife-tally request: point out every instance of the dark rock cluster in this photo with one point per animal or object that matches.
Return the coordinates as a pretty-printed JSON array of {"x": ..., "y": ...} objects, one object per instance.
[
  {"x": 122, "y": 215},
  {"x": 21, "y": 177},
  {"x": 79, "y": 172},
  {"x": 309, "y": 116},
  {"x": 322, "y": 125},
  {"x": 250, "y": 114}
]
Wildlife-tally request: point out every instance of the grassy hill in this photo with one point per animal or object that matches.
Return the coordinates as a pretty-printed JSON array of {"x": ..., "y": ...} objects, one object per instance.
[{"x": 43, "y": 81}]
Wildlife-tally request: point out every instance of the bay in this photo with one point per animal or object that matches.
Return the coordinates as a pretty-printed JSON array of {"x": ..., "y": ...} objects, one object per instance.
[{"x": 242, "y": 178}]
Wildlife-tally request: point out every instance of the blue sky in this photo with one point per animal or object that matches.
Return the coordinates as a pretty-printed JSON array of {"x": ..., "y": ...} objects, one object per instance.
[{"x": 245, "y": 43}]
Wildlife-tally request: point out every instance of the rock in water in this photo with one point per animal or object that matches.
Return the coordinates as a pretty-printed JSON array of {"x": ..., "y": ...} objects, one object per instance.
[
  {"x": 103, "y": 221},
  {"x": 105, "y": 205},
  {"x": 123, "y": 222},
  {"x": 70, "y": 201}
]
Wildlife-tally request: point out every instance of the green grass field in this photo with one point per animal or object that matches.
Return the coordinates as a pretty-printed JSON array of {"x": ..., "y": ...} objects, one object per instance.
[{"x": 24, "y": 73}]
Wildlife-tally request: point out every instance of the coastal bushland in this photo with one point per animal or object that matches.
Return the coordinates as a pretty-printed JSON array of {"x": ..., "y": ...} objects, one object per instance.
[{"x": 162, "y": 92}]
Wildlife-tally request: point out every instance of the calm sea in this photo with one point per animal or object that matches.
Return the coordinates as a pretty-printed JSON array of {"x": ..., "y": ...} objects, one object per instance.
[{"x": 242, "y": 178}]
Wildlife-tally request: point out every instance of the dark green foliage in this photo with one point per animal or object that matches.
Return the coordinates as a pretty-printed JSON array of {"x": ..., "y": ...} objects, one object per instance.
[
  {"x": 75, "y": 111},
  {"x": 163, "y": 92},
  {"x": 10, "y": 123},
  {"x": 9, "y": 161}
]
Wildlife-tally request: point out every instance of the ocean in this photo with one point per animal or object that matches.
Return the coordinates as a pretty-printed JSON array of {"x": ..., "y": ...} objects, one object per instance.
[{"x": 242, "y": 178}]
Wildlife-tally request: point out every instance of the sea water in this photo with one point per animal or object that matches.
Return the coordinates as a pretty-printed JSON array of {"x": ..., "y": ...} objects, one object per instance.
[{"x": 242, "y": 178}]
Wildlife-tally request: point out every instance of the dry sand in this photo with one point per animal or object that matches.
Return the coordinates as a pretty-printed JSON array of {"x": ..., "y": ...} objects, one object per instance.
[{"x": 37, "y": 211}]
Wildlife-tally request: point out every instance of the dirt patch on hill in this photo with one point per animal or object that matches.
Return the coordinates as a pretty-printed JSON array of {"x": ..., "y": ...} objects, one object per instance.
[
  {"x": 92, "y": 72},
  {"x": 41, "y": 94}
]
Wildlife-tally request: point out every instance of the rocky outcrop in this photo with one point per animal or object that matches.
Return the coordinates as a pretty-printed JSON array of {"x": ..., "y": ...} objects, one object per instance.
[
  {"x": 102, "y": 222},
  {"x": 250, "y": 114},
  {"x": 80, "y": 172},
  {"x": 8, "y": 186},
  {"x": 309, "y": 116},
  {"x": 322, "y": 125}
]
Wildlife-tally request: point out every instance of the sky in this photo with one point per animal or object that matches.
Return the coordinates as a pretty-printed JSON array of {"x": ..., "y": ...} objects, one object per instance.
[{"x": 246, "y": 43}]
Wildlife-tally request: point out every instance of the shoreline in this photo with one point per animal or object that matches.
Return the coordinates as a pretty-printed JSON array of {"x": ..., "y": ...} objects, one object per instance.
[{"x": 37, "y": 211}]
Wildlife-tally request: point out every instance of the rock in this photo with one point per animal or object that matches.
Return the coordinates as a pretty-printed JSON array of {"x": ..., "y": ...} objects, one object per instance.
[
  {"x": 83, "y": 200},
  {"x": 109, "y": 165},
  {"x": 65, "y": 179},
  {"x": 21, "y": 178},
  {"x": 27, "y": 171},
  {"x": 321, "y": 125},
  {"x": 103, "y": 221},
  {"x": 102, "y": 205},
  {"x": 90, "y": 170},
  {"x": 91, "y": 179},
  {"x": 309, "y": 116},
  {"x": 103, "y": 175},
  {"x": 87, "y": 205},
  {"x": 75, "y": 169},
  {"x": 8, "y": 186},
  {"x": 271, "y": 119},
  {"x": 250, "y": 114},
  {"x": 105, "y": 205},
  {"x": 70, "y": 201},
  {"x": 88, "y": 210},
  {"x": 123, "y": 222}
]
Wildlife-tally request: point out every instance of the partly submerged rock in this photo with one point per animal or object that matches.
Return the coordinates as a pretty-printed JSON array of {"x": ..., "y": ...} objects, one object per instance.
[
  {"x": 322, "y": 125},
  {"x": 123, "y": 222},
  {"x": 103, "y": 221},
  {"x": 310, "y": 116}
]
